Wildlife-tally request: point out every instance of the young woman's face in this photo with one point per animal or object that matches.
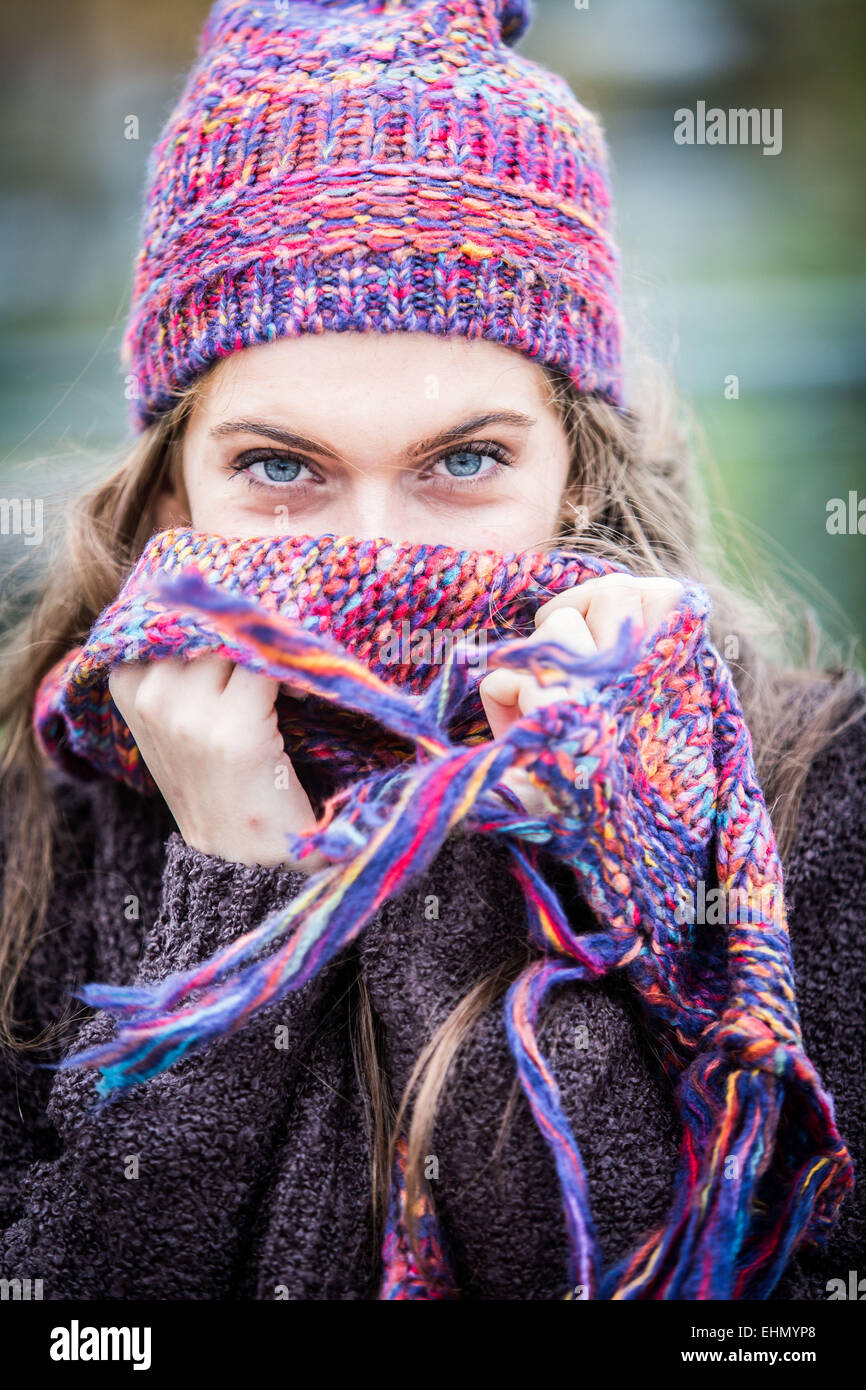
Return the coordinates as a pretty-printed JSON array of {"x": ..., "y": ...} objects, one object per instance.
[{"x": 407, "y": 436}]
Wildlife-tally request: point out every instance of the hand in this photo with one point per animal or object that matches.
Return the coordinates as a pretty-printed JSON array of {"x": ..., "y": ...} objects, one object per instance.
[
  {"x": 207, "y": 731},
  {"x": 586, "y": 619}
]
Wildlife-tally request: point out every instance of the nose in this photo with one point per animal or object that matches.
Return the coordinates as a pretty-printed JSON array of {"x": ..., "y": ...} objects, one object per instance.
[{"x": 371, "y": 507}]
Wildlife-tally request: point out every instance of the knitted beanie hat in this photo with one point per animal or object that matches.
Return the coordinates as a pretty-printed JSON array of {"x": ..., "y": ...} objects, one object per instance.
[{"x": 372, "y": 165}]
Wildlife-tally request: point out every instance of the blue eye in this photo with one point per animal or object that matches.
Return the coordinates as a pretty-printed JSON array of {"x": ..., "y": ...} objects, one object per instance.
[
  {"x": 467, "y": 463},
  {"x": 278, "y": 468},
  {"x": 281, "y": 470}
]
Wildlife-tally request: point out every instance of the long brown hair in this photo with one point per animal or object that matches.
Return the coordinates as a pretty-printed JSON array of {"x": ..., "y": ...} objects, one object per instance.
[{"x": 632, "y": 496}]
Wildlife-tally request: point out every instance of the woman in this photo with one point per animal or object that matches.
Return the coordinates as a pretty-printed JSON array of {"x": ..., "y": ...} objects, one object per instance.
[{"x": 356, "y": 215}]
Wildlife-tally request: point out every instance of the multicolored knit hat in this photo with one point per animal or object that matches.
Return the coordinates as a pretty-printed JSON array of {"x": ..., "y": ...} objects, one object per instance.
[
  {"x": 652, "y": 792},
  {"x": 373, "y": 165}
]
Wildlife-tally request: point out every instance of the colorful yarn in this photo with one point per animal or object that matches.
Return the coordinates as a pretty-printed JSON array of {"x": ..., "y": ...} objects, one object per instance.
[
  {"x": 652, "y": 788},
  {"x": 372, "y": 165}
]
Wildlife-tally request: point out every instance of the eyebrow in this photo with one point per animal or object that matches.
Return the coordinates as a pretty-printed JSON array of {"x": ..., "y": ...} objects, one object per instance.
[{"x": 424, "y": 446}]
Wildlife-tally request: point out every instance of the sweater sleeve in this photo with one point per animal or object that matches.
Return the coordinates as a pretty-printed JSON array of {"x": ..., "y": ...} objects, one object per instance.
[
  {"x": 163, "y": 1182},
  {"x": 827, "y": 922}
]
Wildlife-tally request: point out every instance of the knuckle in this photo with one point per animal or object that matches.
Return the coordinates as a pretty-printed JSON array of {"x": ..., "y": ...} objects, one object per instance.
[
  {"x": 610, "y": 603},
  {"x": 565, "y": 617},
  {"x": 147, "y": 702},
  {"x": 567, "y": 600},
  {"x": 615, "y": 580},
  {"x": 662, "y": 586},
  {"x": 664, "y": 597}
]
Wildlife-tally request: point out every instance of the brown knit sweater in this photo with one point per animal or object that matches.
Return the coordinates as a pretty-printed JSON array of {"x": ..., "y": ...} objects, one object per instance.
[{"x": 243, "y": 1172}]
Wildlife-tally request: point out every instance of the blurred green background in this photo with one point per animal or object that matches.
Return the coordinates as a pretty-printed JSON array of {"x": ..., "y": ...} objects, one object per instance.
[{"x": 734, "y": 262}]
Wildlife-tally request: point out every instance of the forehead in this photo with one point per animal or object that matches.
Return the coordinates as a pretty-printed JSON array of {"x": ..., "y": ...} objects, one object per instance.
[{"x": 364, "y": 373}]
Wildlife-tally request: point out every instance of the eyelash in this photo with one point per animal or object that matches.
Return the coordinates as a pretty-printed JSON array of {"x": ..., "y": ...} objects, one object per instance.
[{"x": 485, "y": 448}]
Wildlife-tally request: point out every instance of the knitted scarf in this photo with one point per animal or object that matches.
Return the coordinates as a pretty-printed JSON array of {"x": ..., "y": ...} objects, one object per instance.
[{"x": 653, "y": 800}]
